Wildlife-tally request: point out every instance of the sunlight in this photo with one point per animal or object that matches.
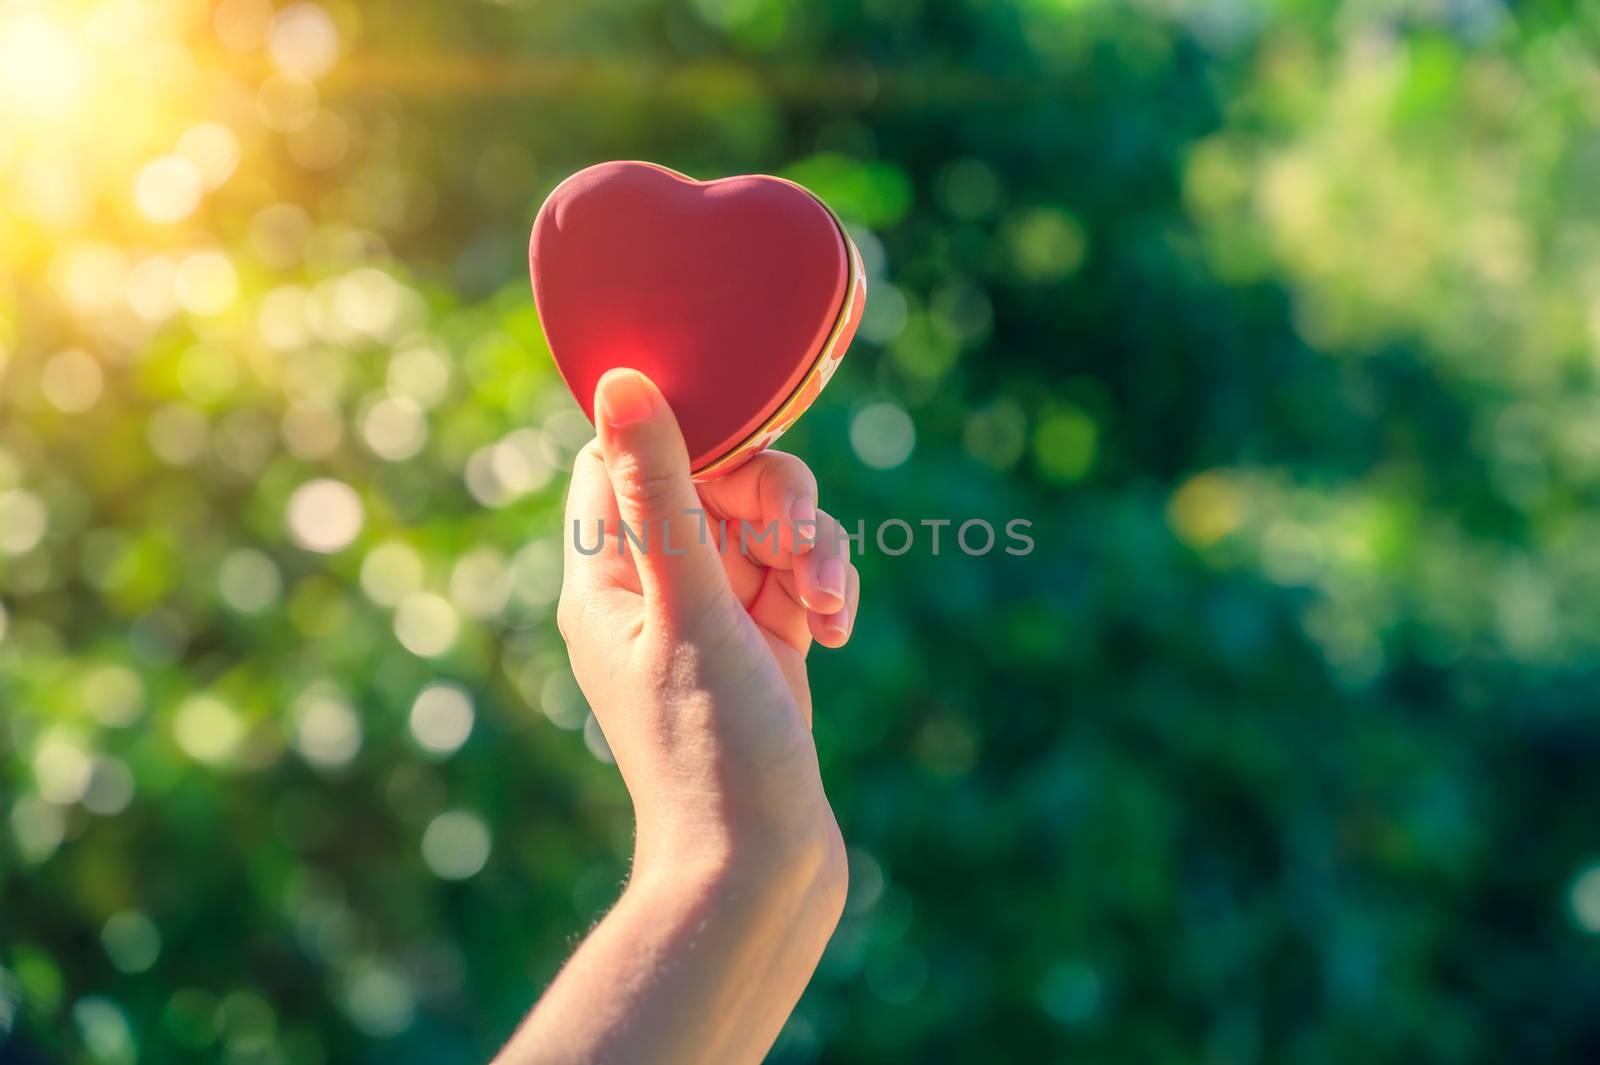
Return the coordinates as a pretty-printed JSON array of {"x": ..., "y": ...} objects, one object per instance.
[
  {"x": 44, "y": 68},
  {"x": 93, "y": 107}
]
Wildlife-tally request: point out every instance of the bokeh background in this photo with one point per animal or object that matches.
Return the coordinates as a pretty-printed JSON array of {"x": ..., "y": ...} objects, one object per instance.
[{"x": 1279, "y": 319}]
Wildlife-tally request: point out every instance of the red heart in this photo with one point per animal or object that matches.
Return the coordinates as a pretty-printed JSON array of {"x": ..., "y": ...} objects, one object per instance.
[{"x": 737, "y": 297}]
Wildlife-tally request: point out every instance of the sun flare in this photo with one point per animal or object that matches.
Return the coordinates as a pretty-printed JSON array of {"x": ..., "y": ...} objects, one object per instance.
[{"x": 44, "y": 66}]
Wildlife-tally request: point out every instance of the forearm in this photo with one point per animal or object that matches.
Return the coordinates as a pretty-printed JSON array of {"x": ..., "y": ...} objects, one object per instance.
[
  {"x": 693, "y": 660},
  {"x": 700, "y": 960}
]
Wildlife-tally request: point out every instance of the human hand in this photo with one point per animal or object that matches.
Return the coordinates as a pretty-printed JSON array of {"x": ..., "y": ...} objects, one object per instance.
[{"x": 691, "y": 648}]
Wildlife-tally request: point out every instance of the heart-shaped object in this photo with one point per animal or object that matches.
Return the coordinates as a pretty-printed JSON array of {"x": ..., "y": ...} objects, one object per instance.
[{"x": 737, "y": 297}]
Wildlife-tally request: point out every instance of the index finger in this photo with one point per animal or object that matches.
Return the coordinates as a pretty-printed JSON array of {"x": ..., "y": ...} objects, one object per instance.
[
  {"x": 592, "y": 523},
  {"x": 773, "y": 490}
]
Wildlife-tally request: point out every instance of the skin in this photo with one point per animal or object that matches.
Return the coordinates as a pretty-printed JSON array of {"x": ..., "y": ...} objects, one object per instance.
[{"x": 692, "y": 657}]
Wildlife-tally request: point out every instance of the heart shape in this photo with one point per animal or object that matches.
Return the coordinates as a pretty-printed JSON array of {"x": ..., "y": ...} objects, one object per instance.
[{"x": 737, "y": 297}]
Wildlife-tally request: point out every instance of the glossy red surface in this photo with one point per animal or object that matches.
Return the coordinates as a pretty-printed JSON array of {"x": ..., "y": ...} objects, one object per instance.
[{"x": 723, "y": 292}]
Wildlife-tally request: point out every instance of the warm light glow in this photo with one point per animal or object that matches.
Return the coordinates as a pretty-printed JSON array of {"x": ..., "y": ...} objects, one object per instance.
[
  {"x": 44, "y": 68},
  {"x": 97, "y": 101},
  {"x": 212, "y": 150},
  {"x": 304, "y": 41},
  {"x": 206, "y": 283},
  {"x": 325, "y": 516},
  {"x": 167, "y": 189}
]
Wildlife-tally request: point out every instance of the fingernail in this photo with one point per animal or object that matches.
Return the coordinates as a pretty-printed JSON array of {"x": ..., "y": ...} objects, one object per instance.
[
  {"x": 803, "y": 516},
  {"x": 625, "y": 398},
  {"x": 830, "y": 577}
]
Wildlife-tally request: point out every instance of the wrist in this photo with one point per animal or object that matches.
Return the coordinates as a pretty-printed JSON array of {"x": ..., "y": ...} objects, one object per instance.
[{"x": 798, "y": 864}]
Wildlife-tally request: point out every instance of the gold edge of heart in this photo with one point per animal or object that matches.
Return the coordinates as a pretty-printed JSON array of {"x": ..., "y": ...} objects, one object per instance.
[{"x": 792, "y": 407}]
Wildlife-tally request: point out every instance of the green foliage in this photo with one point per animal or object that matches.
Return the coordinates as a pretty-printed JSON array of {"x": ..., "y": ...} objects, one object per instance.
[{"x": 1279, "y": 322}]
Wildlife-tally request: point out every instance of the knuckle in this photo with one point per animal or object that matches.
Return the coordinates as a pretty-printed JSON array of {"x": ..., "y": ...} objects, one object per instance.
[
  {"x": 649, "y": 490},
  {"x": 789, "y": 473},
  {"x": 804, "y": 478},
  {"x": 588, "y": 470},
  {"x": 567, "y": 616},
  {"x": 589, "y": 454},
  {"x": 588, "y": 461}
]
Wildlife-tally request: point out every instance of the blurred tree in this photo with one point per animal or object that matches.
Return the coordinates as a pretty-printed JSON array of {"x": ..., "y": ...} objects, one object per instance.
[{"x": 1279, "y": 322}]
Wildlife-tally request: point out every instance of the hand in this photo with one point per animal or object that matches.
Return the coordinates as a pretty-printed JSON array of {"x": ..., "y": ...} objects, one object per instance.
[{"x": 690, "y": 647}]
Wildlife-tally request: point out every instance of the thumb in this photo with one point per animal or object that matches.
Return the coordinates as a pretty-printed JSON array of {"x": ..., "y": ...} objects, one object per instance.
[{"x": 666, "y": 524}]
